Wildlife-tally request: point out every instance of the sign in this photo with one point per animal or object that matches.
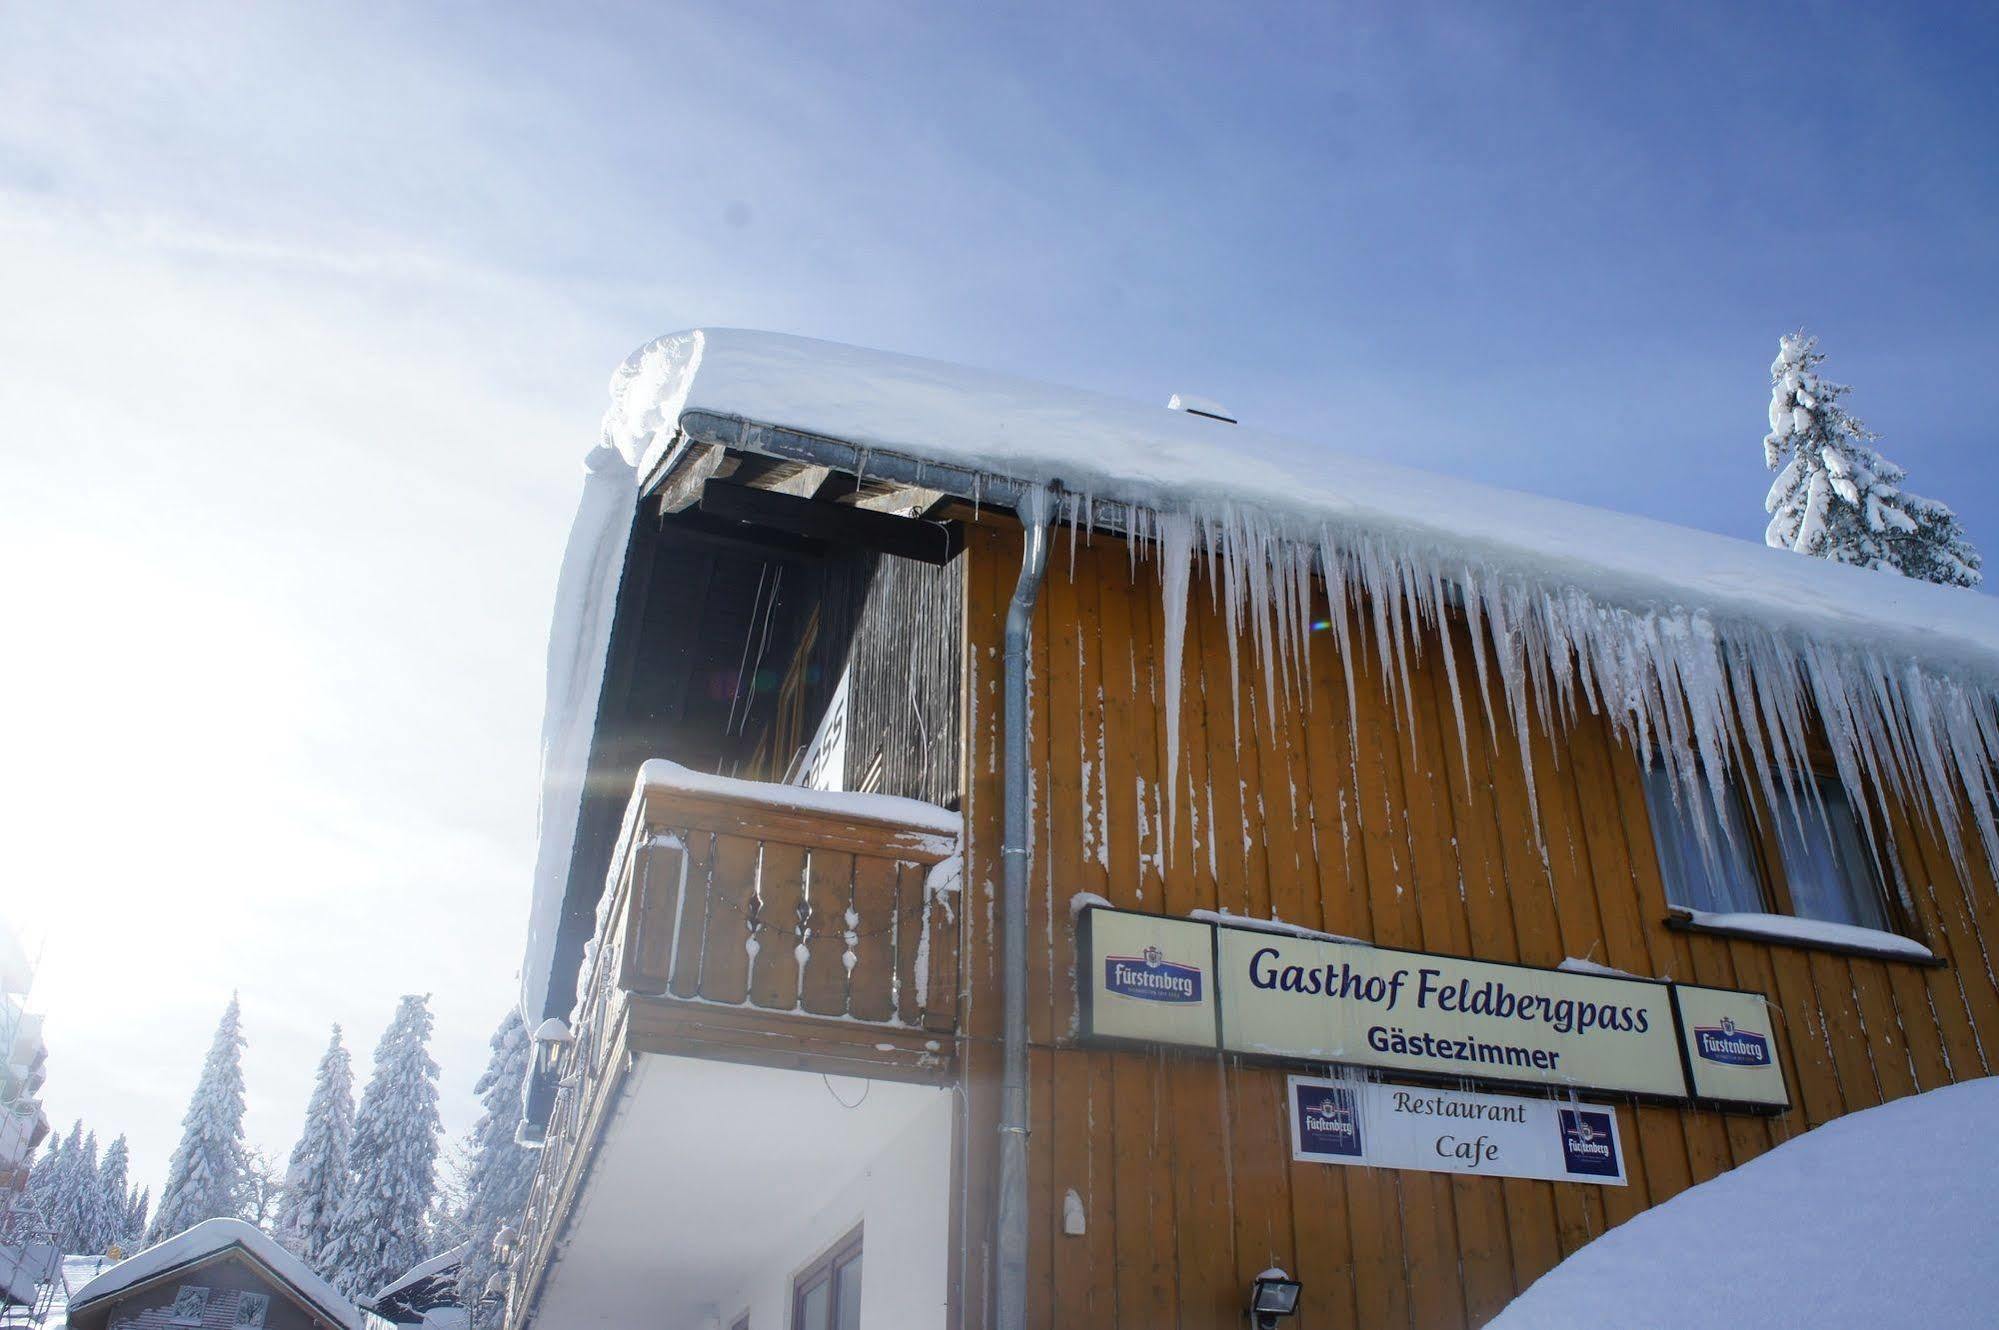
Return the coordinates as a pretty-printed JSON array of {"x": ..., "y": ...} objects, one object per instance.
[
  {"x": 1366, "y": 1006},
  {"x": 1454, "y": 1131},
  {"x": 1151, "y": 978},
  {"x": 1731, "y": 1046},
  {"x": 1245, "y": 989}
]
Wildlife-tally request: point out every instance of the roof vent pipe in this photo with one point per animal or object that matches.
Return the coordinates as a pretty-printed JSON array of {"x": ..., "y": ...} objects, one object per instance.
[{"x": 1199, "y": 406}]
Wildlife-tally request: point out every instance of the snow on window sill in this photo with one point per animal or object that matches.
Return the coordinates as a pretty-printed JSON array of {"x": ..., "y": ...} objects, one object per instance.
[{"x": 1815, "y": 934}]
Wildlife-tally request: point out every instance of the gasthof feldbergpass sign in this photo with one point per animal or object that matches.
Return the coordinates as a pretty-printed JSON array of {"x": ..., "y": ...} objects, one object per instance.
[{"x": 1302, "y": 998}]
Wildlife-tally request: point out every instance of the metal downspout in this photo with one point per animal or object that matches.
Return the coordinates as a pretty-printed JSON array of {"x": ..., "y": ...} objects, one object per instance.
[{"x": 1034, "y": 508}]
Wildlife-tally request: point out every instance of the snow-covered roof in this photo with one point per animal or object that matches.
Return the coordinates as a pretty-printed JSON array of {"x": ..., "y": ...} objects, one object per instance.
[
  {"x": 421, "y": 1271},
  {"x": 1880, "y": 1218},
  {"x": 1662, "y": 627},
  {"x": 1170, "y": 460},
  {"x": 210, "y": 1238}
]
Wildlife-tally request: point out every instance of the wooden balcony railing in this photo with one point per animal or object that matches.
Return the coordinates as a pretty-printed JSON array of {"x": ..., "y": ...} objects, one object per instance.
[
  {"x": 751, "y": 899},
  {"x": 755, "y": 923}
]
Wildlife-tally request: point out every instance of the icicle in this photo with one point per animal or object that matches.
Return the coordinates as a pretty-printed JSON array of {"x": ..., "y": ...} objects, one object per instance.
[
  {"x": 1710, "y": 701},
  {"x": 1176, "y": 566}
]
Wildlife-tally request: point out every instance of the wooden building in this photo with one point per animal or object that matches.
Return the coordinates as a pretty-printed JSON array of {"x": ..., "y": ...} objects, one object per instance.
[
  {"x": 222, "y": 1274},
  {"x": 1345, "y": 722}
]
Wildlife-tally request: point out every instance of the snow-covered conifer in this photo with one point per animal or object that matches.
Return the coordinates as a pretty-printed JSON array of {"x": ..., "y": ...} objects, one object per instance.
[
  {"x": 205, "y": 1176},
  {"x": 110, "y": 1199},
  {"x": 316, "y": 1177},
  {"x": 1837, "y": 498},
  {"x": 379, "y": 1230},
  {"x": 139, "y": 1206},
  {"x": 45, "y": 1178},
  {"x": 66, "y": 1203},
  {"x": 499, "y": 1171}
]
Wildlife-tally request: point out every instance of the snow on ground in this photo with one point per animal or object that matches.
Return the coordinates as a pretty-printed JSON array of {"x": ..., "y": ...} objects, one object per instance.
[{"x": 1880, "y": 1219}]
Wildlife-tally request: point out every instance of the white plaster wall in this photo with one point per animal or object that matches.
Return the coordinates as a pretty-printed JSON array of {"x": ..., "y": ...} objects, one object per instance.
[{"x": 902, "y": 1197}]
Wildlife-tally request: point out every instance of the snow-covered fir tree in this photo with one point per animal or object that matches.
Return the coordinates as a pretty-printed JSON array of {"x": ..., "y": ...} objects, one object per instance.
[
  {"x": 111, "y": 1200},
  {"x": 316, "y": 1176},
  {"x": 66, "y": 1200},
  {"x": 498, "y": 1171},
  {"x": 205, "y": 1176},
  {"x": 45, "y": 1177},
  {"x": 378, "y": 1232},
  {"x": 1835, "y": 496},
  {"x": 140, "y": 1205}
]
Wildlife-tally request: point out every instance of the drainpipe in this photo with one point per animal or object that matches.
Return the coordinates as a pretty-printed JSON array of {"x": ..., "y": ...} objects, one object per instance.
[{"x": 1034, "y": 509}]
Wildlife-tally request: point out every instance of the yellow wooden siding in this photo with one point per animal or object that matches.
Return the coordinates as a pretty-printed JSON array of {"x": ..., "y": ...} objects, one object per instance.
[{"x": 1381, "y": 827}]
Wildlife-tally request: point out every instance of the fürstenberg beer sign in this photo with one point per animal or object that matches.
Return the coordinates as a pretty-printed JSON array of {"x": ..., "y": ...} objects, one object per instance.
[{"x": 1248, "y": 990}]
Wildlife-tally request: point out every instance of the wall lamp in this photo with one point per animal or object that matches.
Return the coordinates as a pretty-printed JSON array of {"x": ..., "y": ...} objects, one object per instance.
[{"x": 1273, "y": 1295}]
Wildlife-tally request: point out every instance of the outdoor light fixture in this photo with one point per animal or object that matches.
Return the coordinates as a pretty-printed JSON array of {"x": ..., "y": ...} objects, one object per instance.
[{"x": 1273, "y": 1295}]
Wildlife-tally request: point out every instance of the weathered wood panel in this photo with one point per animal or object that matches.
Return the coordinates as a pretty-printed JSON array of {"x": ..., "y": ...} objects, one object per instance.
[{"x": 1370, "y": 820}]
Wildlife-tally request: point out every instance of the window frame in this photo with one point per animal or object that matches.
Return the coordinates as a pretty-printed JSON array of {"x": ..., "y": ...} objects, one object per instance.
[
  {"x": 1766, "y": 855},
  {"x": 824, "y": 1269}
]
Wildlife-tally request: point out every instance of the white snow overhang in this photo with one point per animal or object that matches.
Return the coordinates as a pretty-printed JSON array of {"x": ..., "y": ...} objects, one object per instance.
[{"x": 745, "y": 389}]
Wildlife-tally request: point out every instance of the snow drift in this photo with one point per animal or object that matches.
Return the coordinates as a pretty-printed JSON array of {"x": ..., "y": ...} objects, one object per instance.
[{"x": 1881, "y": 1218}]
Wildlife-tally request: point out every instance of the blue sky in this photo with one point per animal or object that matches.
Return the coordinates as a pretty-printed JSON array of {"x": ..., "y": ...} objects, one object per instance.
[{"x": 308, "y": 314}]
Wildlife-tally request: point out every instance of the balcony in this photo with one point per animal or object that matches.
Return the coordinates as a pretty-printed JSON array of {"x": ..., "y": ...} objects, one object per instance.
[{"x": 779, "y": 929}]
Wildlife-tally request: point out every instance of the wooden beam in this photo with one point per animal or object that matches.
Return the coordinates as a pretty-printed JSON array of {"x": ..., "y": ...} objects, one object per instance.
[
  {"x": 906, "y": 501},
  {"x": 802, "y": 483},
  {"x": 789, "y": 1041},
  {"x": 681, "y": 487},
  {"x": 905, "y": 537}
]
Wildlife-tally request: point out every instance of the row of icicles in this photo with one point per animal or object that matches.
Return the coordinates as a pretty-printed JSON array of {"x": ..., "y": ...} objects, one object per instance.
[{"x": 1705, "y": 698}]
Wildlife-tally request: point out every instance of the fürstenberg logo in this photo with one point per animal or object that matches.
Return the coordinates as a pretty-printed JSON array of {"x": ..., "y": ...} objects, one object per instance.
[
  {"x": 1152, "y": 977},
  {"x": 1586, "y": 1142},
  {"x": 1732, "y": 1046}
]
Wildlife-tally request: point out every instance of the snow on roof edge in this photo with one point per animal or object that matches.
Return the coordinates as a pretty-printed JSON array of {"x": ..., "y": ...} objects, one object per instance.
[
  {"x": 211, "y": 1237},
  {"x": 1112, "y": 449},
  {"x": 421, "y": 1271}
]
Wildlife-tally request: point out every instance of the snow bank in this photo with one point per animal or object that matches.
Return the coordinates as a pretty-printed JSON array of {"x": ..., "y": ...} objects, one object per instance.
[
  {"x": 206, "y": 1239},
  {"x": 1789, "y": 928},
  {"x": 1882, "y": 1218}
]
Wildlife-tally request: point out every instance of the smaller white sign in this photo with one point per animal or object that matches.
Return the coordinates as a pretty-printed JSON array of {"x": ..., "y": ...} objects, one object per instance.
[{"x": 1454, "y": 1131}]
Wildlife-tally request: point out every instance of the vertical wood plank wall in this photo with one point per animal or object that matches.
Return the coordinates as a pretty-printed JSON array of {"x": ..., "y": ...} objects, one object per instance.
[{"x": 1367, "y": 826}]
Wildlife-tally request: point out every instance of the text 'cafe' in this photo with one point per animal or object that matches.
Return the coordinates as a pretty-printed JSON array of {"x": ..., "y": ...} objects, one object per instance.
[{"x": 1539, "y": 1037}]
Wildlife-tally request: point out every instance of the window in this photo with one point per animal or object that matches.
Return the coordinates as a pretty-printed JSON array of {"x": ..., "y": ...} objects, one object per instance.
[
  {"x": 190, "y": 1304},
  {"x": 251, "y": 1309},
  {"x": 827, "y": 1295},
  {"x": 1722, "y": 876},
  {"x": 1814, "y": 863},
  {"x": 1826, "y": 861}
]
